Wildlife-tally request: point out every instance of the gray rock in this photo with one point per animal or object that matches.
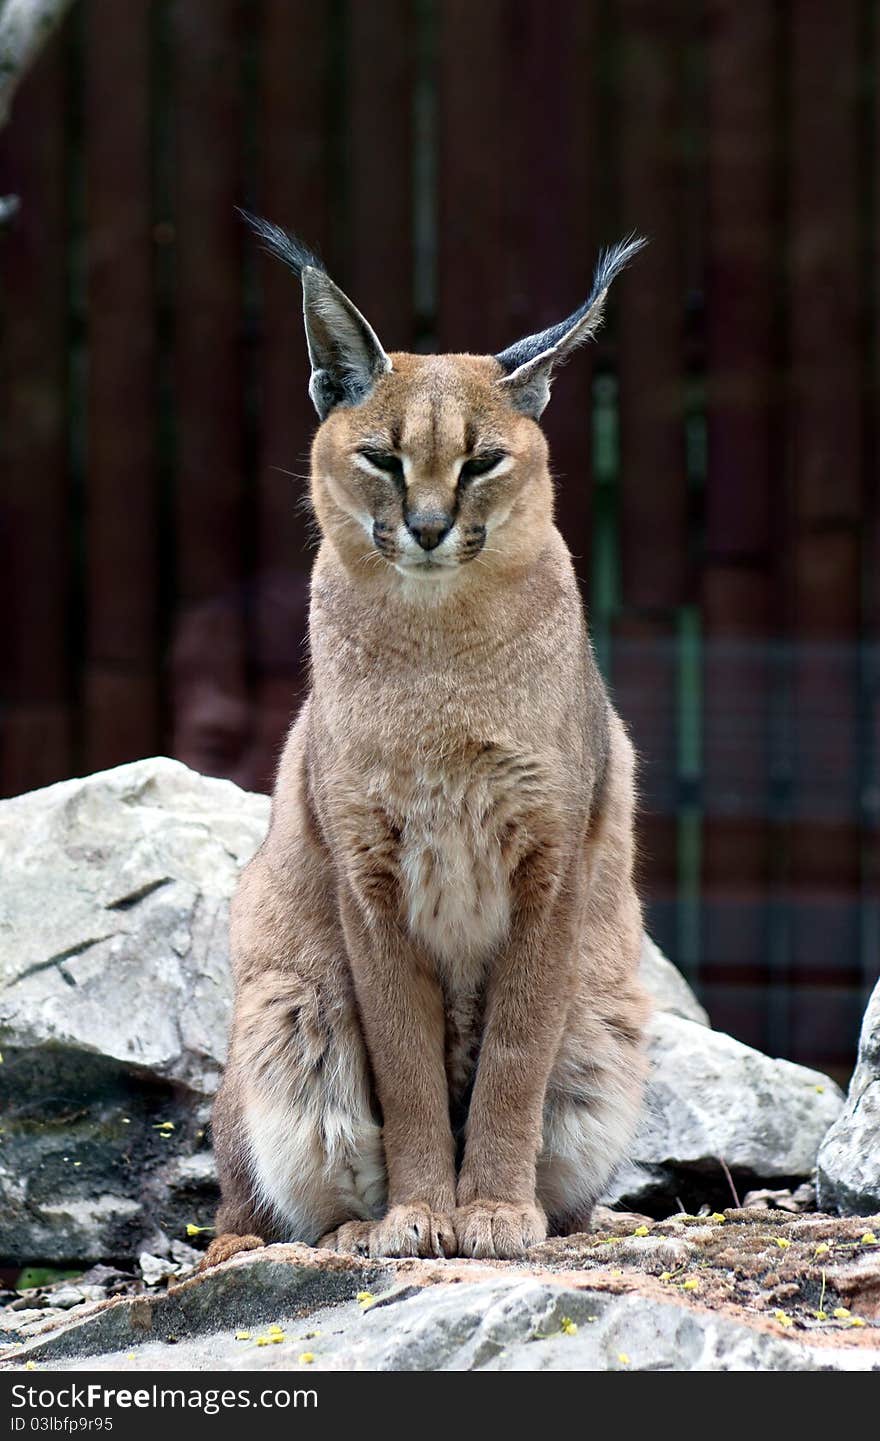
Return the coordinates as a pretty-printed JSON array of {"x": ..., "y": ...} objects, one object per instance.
[
  {"x": 154, "y": 1269},
  {"x": 849, "y": 1159},
  {"x": 667, "y": 986},
  {"x": 114, "y": 1001},
  {"x": 509, "y": 1321},
  {"x": 713, "y": 1099},
  {"x": 65, "y": 1296}
]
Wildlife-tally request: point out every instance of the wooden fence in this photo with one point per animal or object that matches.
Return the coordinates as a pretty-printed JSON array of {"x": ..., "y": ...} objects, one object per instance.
[{"x": 457, "y": 164}]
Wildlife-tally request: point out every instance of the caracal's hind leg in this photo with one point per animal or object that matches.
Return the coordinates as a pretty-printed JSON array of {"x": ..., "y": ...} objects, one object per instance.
[
  {"x": 298, "y": 1143},
  {"x": 591, "y": 1112},
  {"x": 595, "y": 1091}
]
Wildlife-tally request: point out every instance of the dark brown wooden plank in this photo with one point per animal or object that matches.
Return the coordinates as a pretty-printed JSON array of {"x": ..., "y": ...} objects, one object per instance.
[
  {"x": 551, "y": 174},
  {"x": 737, "y": 840},
  {"x": 653, "y": 482},
  {"x": 517, "y": 234},
  {"x": 825, "y": 470},
  {"x": 210, "y": 707},
  {"x": 743, "y": 252},
  {"x": 871, "y": 617},
  {"x": 121, "y": 687},
  {"x": 36, "y": 717},
  {"x": 645, "y": 690},
  {"x": 207, "y": 42},
  {"x": 297, "y": 165},
  {"x": 738, "y": 578},
  {"x": 474, "y": 234},
  {"x": 294, "y": 190},
  {"x": 650, "y": 306},
  {"x": 379, "y": 261}
]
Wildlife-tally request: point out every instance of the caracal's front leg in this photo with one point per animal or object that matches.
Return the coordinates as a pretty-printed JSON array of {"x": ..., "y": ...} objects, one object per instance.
[
  {"x": 498, "y": 1213},
  {"x": 401, "y": 1007}
]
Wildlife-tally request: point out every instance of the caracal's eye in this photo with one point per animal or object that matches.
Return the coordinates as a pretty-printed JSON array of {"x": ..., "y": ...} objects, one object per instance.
[
  {"x": 384, "y": 460},
  {"x": 480, "y": 464}
]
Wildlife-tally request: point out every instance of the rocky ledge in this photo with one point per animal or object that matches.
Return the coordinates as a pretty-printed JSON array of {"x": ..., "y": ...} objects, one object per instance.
[{"x": 747, "y": 1289}]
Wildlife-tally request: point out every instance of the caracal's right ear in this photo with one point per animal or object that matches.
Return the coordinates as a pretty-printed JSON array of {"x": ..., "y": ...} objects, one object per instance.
[{"x": 346, "y": 356}]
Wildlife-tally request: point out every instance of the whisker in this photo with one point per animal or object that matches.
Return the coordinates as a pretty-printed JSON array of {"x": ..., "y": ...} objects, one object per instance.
[{"x": 294, "y": 473}]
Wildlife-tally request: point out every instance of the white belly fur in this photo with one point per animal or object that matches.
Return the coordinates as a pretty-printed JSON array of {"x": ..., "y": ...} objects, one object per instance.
[{"x": 456, "y": 880}]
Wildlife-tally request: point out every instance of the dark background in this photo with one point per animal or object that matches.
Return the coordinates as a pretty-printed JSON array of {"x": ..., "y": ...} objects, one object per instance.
[{"x": 457, "y": 163}]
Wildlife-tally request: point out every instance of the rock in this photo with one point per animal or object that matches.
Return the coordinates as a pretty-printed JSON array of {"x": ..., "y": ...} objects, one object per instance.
[
  {"x": 802, "y": 1199},
  {"x": 154, "y": 1269},
  {"x": 713, "y": 1099},
  {"x": 296, "y": 1310},
  {"x": 66, "y": 1296},
  {"x": 667, "y": 986},
  {"x": 187, "y": 1257},
  {"x": 114, "y": 1001},
  {"x": 849, "y": 1159},
  {"x": 114, "y": 1004}
]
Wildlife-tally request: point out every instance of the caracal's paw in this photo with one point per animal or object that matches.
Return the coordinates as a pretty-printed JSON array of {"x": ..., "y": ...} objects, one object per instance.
[
  {"x": 413, "y": 1230},
  {"x": 222, "y": 1247},
  {"x": 501, "y": 1230},
  {"x": 350, "y": 1239}
]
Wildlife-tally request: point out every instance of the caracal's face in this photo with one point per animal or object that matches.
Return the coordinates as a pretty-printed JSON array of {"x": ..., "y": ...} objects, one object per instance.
[
  {"x": 433, "y": 471},
  {"x": 430, "y": 466}
]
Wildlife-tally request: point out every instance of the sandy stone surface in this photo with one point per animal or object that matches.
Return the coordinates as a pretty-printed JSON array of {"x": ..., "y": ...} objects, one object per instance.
[{"x": 746, "y": 1289}]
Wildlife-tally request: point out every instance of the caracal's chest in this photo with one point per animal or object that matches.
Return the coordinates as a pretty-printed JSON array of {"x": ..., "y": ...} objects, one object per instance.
[{"x": 461, "y": 822}]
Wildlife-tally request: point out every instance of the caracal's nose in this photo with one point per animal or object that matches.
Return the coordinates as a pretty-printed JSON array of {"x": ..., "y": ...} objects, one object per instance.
[{"x": 429, "y": 527}]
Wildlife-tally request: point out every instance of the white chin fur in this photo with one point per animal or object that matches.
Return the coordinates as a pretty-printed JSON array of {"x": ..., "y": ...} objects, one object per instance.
[{"x": 420, "y": 570}]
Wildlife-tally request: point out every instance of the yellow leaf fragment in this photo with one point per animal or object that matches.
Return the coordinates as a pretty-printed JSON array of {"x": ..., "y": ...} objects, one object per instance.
[
  {"x": 567, "y": 1326},
  {"x": 782, "y": 1242},
  {"x": 262, "y": 1340},
  {"x": 869, "y": 1239},
  {"x": 856, "y": 1321},
  {"x": 640, "y": 1231},
  {"x": 193, "y": 1230},
  {"x": 840, "y": 1313},
  {"x": 822, "y": 1249},
  {"x": 306, "y": 1358},
  {"x": 820, "y": 1090},
  {"x": 30, "y": 1365},
  {"x": 719, "y": 1216},
  {"x": 665, "y": 1275},
  {"x": 783, "y": 1318},
  {"x": 366, "y": 1299},
  {"x": 691, "y": 1284},
  {"x": 623, "y": 1358},
  {"x": 821, "y": 1315},
  {"x": 276, "y": 1330},
  {"x": 242, "y": 1335}
]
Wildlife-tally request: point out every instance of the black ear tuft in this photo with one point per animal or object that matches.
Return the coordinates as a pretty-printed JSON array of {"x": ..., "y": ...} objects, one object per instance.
[
  {"x": 346, "y": 355},
  {"x": 572, "y": 331},
  {"x": 286, "y": 247}
]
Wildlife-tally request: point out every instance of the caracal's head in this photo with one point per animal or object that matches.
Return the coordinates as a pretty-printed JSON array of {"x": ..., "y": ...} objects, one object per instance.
[{"x": 424, "y": 464}]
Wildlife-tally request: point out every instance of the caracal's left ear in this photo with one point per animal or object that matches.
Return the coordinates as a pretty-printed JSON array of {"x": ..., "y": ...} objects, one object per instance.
[
  {"x": 529, "y": 363},
  {"x": 346, "y": 356}
]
